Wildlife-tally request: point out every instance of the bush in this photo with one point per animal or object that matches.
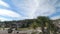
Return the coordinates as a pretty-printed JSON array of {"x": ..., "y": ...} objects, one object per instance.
[{"x": 10, "y": 30}]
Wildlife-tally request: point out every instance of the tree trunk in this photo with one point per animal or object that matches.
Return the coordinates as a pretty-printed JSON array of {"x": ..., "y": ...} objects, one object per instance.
[
  {"x": 48, "y": 31},
  {"x": 48, "y": 28},
  {"x": 43, "y": 32},
  {"x": 55, "y": 30},
  {"x": 42, "y": 26}
]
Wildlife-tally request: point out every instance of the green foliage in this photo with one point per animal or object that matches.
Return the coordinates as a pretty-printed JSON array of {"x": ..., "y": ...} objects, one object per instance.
[
  {"x": 34, "y": 25},
  {"x": 44, "y": 22},
  {"x": 41, "y": 21},
  {"x": 34, "y": 32}
]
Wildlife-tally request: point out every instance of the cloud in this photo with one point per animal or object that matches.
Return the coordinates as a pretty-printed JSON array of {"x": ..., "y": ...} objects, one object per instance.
[
  {"x": 4, "y": 3},
  {"x": 57, "y": 4},
  {"x": 52, "y": 2},
  {"x": 3, "y": 19},
  {"x": 28, "y": 7},
  {"x": 10, "y": 13},
  {"x": 34, "y": 8},
  {"x": 45, "y": 9},
  {"x": 55, "y": 17}
]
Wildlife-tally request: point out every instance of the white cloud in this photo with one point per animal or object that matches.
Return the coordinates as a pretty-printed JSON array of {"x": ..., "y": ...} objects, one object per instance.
[
  {"x": 29, "y": 7},
  {"x": 4, "y": 3},
  {"x": 55, "y": 17},
  {"x": 45, "y": 9},
  {"x": 33, "y": 8},
  {"x": 57, "y": 4},
  {"x": 52, "y": 2},
  {"x": 9, "y": 13},
  {"x": 3, "y": 19}
]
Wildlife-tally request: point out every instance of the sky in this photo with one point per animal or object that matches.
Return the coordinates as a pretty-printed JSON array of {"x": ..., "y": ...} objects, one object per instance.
[{"x": 28, "y": 9}]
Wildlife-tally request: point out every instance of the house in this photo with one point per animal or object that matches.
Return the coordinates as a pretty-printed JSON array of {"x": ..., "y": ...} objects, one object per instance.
[{"x": 57, "y": 22}]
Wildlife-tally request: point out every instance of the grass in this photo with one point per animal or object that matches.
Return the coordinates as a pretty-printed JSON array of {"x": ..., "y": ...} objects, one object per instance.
[{"x": 23, "y": 29}]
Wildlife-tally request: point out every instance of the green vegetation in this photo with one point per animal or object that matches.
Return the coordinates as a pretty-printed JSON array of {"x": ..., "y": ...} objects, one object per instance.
[
  {"x": 34, "y": 32},
  {"x": 40, "y": 21},
  {"x": 23, "y": 29},
  {"x": 34, "y": 25}
]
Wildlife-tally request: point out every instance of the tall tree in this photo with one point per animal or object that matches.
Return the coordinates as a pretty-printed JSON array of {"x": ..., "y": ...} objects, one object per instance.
[{"x": 42, "y": 21}]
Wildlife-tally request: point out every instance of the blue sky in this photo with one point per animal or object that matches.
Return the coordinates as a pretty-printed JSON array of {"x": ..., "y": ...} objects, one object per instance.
[{"x": 28, "y": 9}]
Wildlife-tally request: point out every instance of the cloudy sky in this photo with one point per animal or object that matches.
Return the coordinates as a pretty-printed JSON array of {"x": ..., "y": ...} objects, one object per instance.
[{"x": 28, "y": 9}]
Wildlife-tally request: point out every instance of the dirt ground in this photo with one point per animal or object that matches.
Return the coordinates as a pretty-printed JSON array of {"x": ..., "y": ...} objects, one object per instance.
[{"x": 6, "y": 32}]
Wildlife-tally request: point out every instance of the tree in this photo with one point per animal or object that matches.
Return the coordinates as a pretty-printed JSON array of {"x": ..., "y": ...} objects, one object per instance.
[
  {"x": 34, "y": 25},
  {"x": 53, "y": 28},
  {"x": 42, "y": 20}
]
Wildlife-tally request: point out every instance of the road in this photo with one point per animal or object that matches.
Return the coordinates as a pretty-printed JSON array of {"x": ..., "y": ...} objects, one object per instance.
[
  {"x": 6, "y": 32},
  {"x": 14, "y": 32}
]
